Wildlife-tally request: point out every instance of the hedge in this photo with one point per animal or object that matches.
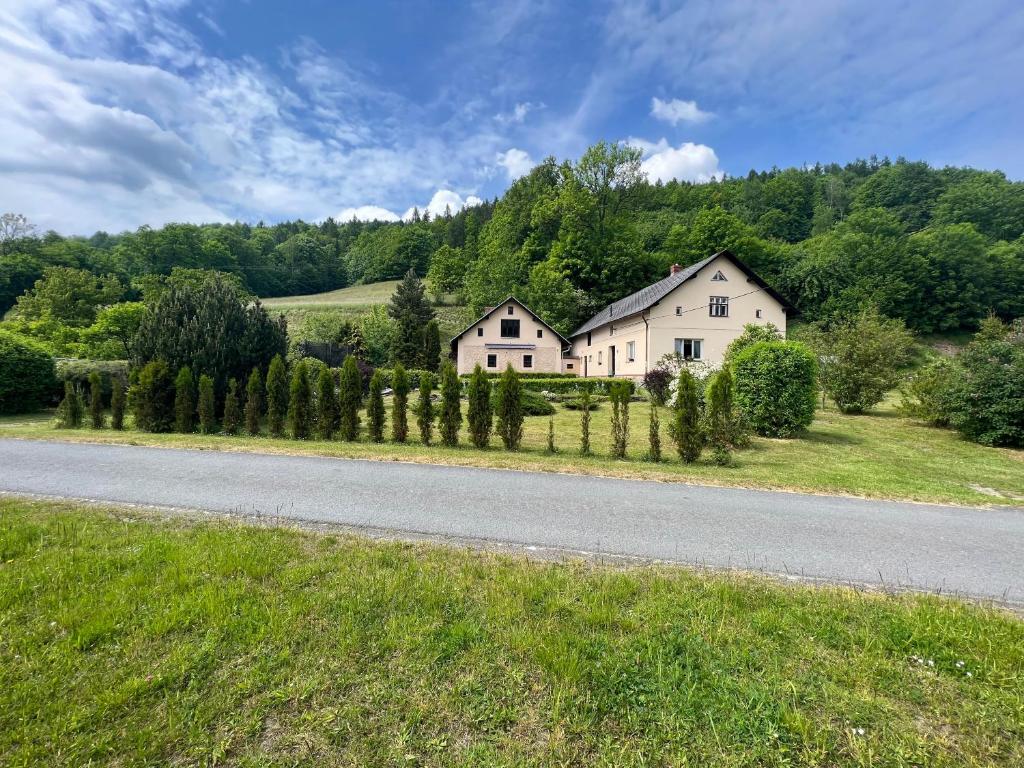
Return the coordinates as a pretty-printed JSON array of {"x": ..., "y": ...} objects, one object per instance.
[
  {"x": 27, "y": 377},
  {"x": 526, "y": 375},
  {"x": 414, "y": 375},
  {"x": 77, "y": 371},
  {"x": 568, "y": 385},
  {"x": 776, "y": 387}
]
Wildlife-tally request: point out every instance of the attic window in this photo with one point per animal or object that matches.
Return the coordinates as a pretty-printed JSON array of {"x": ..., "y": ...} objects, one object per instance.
[
  {"x": 679, "y": 310},
  {"x": 510, "y": 309},
  {"x": 480, "y": 331},
  {"x": 718, "y": 277},
  {"x": 540, "y": 333},
  {"x": 757, "y": 313}
]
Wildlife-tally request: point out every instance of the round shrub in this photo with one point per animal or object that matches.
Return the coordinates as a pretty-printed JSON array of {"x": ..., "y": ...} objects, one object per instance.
[
  {"x": 27, "y": 378},
  {"x": 534, "y": 404},
  {"x": 776, "y": 387}
]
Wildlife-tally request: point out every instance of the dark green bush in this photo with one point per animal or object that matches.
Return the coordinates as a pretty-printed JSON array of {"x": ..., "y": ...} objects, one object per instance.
[
  {"x": 924, "y": 394},
  {"x": 71, "y": 408},
  {"x": 400, "y": 401},
  {"x": 253, "y": 402},
  {"x": 277, "y": 396},
  {"x": 27, "y": 379},
  {"x": 578, "y": 404},
  {"x": 480, "y": 413},
  {"x": 96, "y": 416},
  {"x": 412, "y": 376},
  {"x": 207, "y": 406},
  {"x": 327, "y": 415},
  {"x": 776, "y": 387},
  {"x": 686, "y": 427},
  {"x": 184, "y": 401},
  {"x": 300, "y": 397},
  {"x": 425, "y": 408},
  {"x": 232, "y": 410},
  {"x": 510, "y": 409},
  {"x": 375, "y": 408},
  {"x": 567, "y": 385},
  {"x": 350, "y": 398},
  {"x": 118, "y": 400},
  {"x": 78, "y": 372},
  {"x": 152, "y": 397},
  {"x": 534, "y": 404}
]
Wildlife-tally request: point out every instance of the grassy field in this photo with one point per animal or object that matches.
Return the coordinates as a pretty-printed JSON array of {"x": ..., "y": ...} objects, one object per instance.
[
  {"x": 127, "y": 639},
  {"x": 881, "y": 455}
]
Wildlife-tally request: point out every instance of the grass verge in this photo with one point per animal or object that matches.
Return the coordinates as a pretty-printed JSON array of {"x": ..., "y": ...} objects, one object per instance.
[
  {"x": 881, "y": 455},
  {"x": 128, "y": 639}
]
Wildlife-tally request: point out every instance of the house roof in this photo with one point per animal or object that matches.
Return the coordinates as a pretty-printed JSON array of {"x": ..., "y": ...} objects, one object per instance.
[
  {"x": 652, "y": 294},
  {"x": 491, "y": 310}
]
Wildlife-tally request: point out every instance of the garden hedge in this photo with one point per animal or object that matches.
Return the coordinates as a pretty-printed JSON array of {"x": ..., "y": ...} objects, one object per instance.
[
  {"x": 77, "y": 371},
  {"x": 27, "y": 377},
  {"x": 776, "y": 387}
]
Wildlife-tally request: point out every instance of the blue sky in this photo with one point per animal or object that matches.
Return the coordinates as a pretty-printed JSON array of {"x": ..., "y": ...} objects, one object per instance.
[{"x": 119, "y": 113}]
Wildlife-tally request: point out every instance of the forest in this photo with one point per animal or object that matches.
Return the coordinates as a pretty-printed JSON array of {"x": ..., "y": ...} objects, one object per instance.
[{"x": 940, "y": 248}]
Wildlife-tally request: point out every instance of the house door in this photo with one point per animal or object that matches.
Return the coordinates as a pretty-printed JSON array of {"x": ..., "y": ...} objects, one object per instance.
[{"x": 611, "y": 361}]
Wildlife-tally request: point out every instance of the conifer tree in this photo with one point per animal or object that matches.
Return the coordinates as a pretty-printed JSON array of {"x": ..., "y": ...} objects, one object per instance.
[
  {"x": 152, "y": 397},
  {"x": 425, "y": 408},
  {"x": 432, "y": 346},
  {"x": 654, "y": 435},
  {"x": 399, "y": 404},
  {"x": 184, "y": 401},
  {"x": 96, "y": 400},
  {"x": 480, "y": 413},
  {"x": 277, "y": 396},
  {"x": 720, "y": 421},
  {"x": 253, "y": 402},
  {"x": 326, "y": 405},
  {"x": 451, "y": 410},
  {"x": 686, "y": 429},
  {"x": 551, "y": 435},
  {"x": 375, "y": 408},
  {"x": 71, "y": 408},
  {"x": 411, "y": 310},
  {"x": 350, "y": 391},
  {"x": 619, "y": 393},
  {"x": 510, "y": 409},
  {"x": 117, "y": 403},
  {"x": 300, "y": 394},
  {"x": 207, "y": 406},
  {"x": 232, "y": 411},
  {"x": 585, "y": 404}
]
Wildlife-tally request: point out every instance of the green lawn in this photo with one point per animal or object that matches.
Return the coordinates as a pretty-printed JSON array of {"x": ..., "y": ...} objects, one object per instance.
[
  {"x": 354, "y": 295},
  {"x": 127, "y": 639},
  {"x": 881, "y": 455}
]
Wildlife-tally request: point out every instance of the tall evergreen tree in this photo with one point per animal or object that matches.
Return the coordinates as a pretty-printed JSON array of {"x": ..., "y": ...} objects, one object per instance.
[
  {"x": 432, "y": 346},
  {"x": 152, "y": 397},
  {"x": 585, "y": 405},
  {"x": 300, "y": 394},
  {"x": 96, "y": 400},
  {"x": 510, "y": 409},
  {"x": 253, "y": 402},
  {"x": 551, "y": 435},
  {"x": 71, "y": 408},
  {"x": 117, "y": 403},
  {"x": 326, "y": 405},
  {"x": 232, "y": 411},
  {"x": 207, "y": 406},
  {"x": 411, "y": 311},
  {"x": 399, "y": 404},
  {"x": 451, "y": 410},
  {"x": 619, "y": 392},
  {"x": 350, "y": 398},
  {"x": 277, "y": 396},
  {"x": 375, "y": 408},
  {"x": 480, "y": 414},
  {"x": 654, "y": 435},
  {"x": 721, "y": 421},
  {"x": 686, "y": 428},
  {"x": 425, "y": 408},
  {"x": 184, "y": 401}
]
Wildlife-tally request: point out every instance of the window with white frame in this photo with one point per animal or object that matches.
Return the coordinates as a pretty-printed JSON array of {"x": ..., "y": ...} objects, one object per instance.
[
  {"x": 718, "y": 306},
  {"x": 631, "y": 351},
  {"x": 690, "y": 349}
]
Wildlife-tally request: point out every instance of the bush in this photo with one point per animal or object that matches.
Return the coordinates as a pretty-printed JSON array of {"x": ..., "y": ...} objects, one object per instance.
[
  {"x": 79, "y": 371},
  {"x": 686, "y": 427},
  {"x": 327, "y": 410},
  {"x": 96, "y": 416},
  {"x": 375, "y": 409},
  {"x": 924, "y": 394},
  {"x": 253, "y": 402},
  {"x": 567, "y": 386},
  {"x": 425, "y": 408},
  {"x": 534, "y": 404},
  {"x": 723, "y": 427},
  {"x": 510, "y": 409},
  {"x": 776, "y": 387},
  {"x": 399, "y": 403},
  {"x": 480, "y": 415},
  {"x": 300, "y": 397},
  {"x": 657, "y": 382},
  {"x": 752, "y": 334},
  {"x": 184, "y": 401},
  {"x": 207, "y": 406},
  {"x": 451, "y": 411},
  {"x": 277, "y": 396},
  {"x": 232, "y": 410},
  {"x": 580, "y": 403},
  {"x": 619, "y": 393},
  {"x": 118, "y": 400},
  {"x": 412, "y": 376},
  {"x": 71, "y": 408},
  {"x": 350, "y": 398},
  {"x": 27, "y": 377},
  {"x": 527, "y": 375},
  {"x": 152, "y": 397}
]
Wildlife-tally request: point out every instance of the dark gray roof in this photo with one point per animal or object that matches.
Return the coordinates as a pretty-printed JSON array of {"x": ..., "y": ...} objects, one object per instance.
[{"x": 644, "y": 298}]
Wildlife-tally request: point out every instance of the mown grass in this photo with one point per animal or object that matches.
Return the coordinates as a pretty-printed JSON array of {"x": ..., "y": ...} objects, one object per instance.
[
  {"x": 881, "y": 455},
  {"x": 354, "y": 295},
  {"x": 128, "y": 639}
]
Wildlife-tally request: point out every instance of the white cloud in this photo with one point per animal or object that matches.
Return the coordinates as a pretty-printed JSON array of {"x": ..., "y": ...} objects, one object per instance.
[
  {"x": 519, "y": 112},
  {"x": 445, "y": 199},
  {"x": 516, "y": 163},
  {"x": 687, "y": 162},
  {"x": 678, "y": 111},
  {"x": 366, "y": 213}
]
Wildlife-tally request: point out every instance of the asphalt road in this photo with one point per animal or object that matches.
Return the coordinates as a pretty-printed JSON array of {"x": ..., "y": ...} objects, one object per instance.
[{"x": 972, "y": 552}]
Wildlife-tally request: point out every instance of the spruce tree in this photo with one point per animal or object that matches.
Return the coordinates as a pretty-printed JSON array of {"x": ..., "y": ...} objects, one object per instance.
[
  {"x": 654, "y": 435},
  {"x": 451, "y": 410},
  {"x": 399, "y": 404},
  {"x": 117, "y": 403},
  {"x": 300, "y": 394},
  {"x": 253, "y": 402},
  {"x": 510, "y": 409},
  {"x": 411, "y": 310},
  {"x": 184, "y": 401},
  {"x": 585, "y": 404},
  {"x": 425, "y": 408},
  {"x": 232, "y": 411},
  {"x": 96, "y": 400},
  {"x": 686, "y": 429},
  {"x": 375, "y": 408},
  {"x": 432, "y": 346},
  {"x": 619, "y": 393},
  {"x": 350, "y": 398},
  {"x": 207, "y": 406},
  {"x": 326, "y": 405},
  {"x": 480, "y": 413},
  {"x": 71, "y": 408},
  {"x": 277, "y": 396}
]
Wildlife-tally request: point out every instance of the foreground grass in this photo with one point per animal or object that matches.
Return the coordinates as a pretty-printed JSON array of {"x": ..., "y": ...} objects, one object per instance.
[
  {"x": 879, "y": 456},
  {"x": 131, "y": 640}
]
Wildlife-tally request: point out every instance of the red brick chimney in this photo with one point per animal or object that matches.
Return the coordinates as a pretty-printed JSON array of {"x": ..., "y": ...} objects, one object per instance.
[{"x": 674, "y": 268}]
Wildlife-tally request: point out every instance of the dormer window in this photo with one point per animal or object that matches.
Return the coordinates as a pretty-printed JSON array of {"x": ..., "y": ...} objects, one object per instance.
[{"x": 718, "y": 277}]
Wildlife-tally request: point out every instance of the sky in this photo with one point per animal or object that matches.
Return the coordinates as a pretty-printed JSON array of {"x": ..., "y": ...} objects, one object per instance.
[{"x": 122, "y": 113}]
